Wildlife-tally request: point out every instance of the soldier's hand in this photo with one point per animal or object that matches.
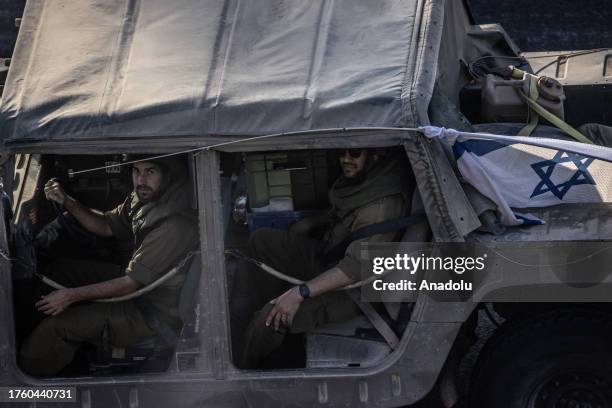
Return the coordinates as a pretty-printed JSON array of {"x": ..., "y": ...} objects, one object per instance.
[
  {"x": 55, "y": 192},
  {"x": 285, "y": 308},
  {"x": 55, "y": 302}
]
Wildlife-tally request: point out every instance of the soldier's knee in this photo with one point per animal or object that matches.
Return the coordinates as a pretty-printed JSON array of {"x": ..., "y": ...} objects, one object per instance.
[
  {"x": 50, "y": 327},
  {"x": 56, "y": 328},
  {"x": 37, "y": 345},
  {"x": 259, "y": 319}
]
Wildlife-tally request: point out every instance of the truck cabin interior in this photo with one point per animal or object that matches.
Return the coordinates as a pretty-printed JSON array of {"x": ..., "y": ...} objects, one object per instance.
[
  {"x": 278, "y": 189},
  {"x": 271, "y": 189},
  {"x": 44, "y": 235}
]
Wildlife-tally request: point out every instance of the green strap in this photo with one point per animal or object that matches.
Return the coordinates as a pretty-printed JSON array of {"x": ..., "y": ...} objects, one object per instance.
[
  {"x": 537, "y": 108},
  {"x": 533, "y": 116}
]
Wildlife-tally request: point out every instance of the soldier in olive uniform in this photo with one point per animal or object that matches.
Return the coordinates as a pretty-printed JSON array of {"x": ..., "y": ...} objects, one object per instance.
[
  {"x": 157, "y": 223},
  {"x": 372, "y": 189},
  {"x": 597, "y": 133}
]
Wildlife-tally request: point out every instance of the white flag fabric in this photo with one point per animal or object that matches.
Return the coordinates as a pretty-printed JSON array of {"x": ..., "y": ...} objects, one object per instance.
[{"x": 524, "y": 172}]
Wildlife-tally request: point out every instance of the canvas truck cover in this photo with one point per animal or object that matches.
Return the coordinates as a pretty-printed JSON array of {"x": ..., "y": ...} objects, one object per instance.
[{"x": 133, "y": 69}]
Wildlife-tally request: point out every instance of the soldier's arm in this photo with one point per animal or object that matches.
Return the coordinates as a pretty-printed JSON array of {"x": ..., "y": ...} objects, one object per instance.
[
  {"x": 332, "y": 279},
  {"x": 287, "y": 304},
  {"x": 346, "y": 271},
  {"x": 307, "y": 225},
  {"x": 55, "y": 302},
  {"x": 92, "y": 220},
  {"x": 107, "y": 289}
]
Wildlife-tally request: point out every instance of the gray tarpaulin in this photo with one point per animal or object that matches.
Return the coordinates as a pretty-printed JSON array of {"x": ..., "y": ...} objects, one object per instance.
[{"x": 100, "y": 69}]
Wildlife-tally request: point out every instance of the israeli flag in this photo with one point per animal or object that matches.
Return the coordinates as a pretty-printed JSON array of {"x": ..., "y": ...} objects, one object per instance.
[{"x": 526, "y": 172}]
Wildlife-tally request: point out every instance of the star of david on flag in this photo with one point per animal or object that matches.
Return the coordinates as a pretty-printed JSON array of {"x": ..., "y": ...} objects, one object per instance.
[
  {"x": 518, "y": 173},
  {"x": 545, "y": 169}
]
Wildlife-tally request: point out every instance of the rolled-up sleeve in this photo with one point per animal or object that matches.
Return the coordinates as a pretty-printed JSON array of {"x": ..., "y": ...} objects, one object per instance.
[
  {"x": 162, "y": 249},
  {"x": 384, "y": 209},
  {"x": 119, "y": 222}
]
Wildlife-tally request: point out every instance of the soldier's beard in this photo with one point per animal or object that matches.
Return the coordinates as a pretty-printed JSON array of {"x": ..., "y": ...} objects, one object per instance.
[{"x": 146, "y": 194}]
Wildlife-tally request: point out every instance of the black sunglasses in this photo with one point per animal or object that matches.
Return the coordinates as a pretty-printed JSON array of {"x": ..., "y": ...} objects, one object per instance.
[{"x": 354, "y": 153}]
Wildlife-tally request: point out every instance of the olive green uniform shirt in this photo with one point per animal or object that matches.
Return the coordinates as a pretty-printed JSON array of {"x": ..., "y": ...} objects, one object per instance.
[
  {"x": 157, "y": 249},
  {"x": 383, "y": 209}
]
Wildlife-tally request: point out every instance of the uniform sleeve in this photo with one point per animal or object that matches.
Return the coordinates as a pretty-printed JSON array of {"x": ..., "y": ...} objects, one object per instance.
[
  {"x": 162, "y": 249},
  {"x": 385, "y": 209},
  {"x": 119, "y": 222}
]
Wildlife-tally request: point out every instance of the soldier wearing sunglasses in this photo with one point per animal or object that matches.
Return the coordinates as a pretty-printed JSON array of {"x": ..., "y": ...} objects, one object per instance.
[{"x": 374, "y": 187}]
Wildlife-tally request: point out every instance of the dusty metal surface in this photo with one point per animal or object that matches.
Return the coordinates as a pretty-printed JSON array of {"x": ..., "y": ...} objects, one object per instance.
[
  {"x": 583, "y": 67},
  {"x": 439, "y": 187},
  {"x": 567, "y": 222}
]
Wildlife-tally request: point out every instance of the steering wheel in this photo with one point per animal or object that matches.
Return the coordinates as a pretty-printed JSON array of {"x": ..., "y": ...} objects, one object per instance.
[{"x": 72, "y": 227}]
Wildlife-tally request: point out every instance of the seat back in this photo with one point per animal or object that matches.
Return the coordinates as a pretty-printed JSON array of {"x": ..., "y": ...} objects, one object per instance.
[{"x": 188, "y": 302}]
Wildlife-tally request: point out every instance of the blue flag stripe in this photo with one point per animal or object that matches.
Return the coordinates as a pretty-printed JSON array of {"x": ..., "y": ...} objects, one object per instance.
[{"x": 477, "y": 147}]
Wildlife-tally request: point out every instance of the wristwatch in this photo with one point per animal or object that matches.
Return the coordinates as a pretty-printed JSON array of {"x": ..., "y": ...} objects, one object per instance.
[{"x": 304, "y": 291}]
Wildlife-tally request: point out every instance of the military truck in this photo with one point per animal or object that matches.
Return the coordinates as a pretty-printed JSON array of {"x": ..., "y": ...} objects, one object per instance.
[{"x": 257, "y": 95}]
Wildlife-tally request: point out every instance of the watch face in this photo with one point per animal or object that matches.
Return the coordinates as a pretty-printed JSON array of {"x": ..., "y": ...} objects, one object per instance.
[{"x": 304, "y": 291}]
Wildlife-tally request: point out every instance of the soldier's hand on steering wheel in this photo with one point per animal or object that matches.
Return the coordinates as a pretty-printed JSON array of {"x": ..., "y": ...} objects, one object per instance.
[{"x": 55, "y": 192}]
